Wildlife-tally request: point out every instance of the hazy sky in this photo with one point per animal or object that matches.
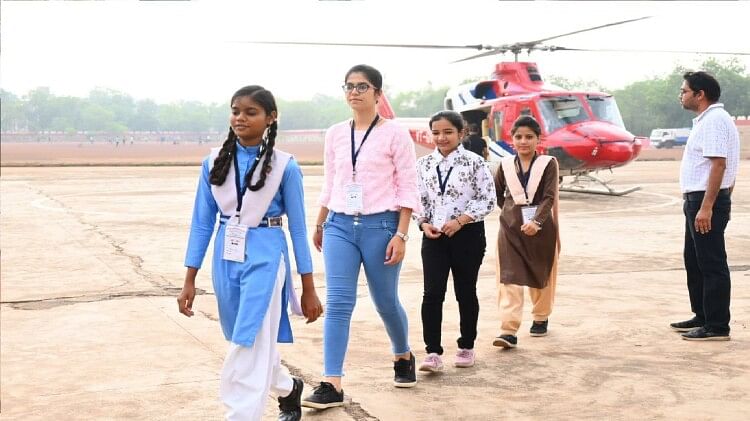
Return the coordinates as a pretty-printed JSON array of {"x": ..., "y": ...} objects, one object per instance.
[{"x": 192, "y": 50}]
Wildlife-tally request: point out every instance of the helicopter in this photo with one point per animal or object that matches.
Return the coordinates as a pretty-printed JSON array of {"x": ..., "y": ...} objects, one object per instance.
[{"x": 583, "y": 130}]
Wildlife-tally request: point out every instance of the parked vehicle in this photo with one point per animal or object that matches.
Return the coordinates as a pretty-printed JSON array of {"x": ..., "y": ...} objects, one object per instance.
[{"x": 669, "y": 138}]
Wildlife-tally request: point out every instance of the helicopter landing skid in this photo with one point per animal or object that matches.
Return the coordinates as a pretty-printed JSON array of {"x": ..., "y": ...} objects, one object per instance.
[{"x": 581, "y": 184}]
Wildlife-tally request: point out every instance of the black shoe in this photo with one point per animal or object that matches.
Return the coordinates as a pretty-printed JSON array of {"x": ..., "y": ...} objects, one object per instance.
[
  {"x": 324, "y": 396},
  {"x": 701, "y": 334},
  {"x": 290, "y": 407},
  {"x": 538, "y": 328},
  {"x": 505, "y": 341},
  {"x": 405, "y": 372},
  {"x": 687, "y": 325}
]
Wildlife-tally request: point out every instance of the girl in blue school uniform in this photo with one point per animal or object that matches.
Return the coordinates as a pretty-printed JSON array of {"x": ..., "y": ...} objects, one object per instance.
[{"x": 251, "y": 185}]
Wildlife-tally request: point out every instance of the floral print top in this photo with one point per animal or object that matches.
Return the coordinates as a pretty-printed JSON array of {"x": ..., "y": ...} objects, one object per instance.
[{"x": 469, "y": 189}]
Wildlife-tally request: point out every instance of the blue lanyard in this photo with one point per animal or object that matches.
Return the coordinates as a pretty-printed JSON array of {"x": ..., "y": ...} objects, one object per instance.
[
  {"x": 239, "y": 188},
  {"x": 443, "y": 184},
  {"x": 355, "y": 154},
  {"x": 524, "y": 177}
]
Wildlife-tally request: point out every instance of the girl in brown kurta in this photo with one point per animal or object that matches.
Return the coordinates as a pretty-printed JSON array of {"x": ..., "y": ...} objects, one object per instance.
[{"x": 528, "y": 242}]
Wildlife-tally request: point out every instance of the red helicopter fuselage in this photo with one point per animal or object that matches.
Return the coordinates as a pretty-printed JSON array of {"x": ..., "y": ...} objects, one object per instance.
[{"x": 583, "y": 130}]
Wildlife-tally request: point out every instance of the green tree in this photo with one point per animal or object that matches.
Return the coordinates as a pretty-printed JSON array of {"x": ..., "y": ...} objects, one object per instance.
[
  {"x": 145, "y": 117},
  {"x": 654, "y": 103},
  {"x": 421, "y": 103},
  {"x": 12, "y": 115}
]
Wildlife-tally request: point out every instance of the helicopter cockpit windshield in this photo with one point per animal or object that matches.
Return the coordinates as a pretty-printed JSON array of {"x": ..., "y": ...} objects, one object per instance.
[
  {"x": 605, "y": 108},
  {"x": 558, "y": 111}
]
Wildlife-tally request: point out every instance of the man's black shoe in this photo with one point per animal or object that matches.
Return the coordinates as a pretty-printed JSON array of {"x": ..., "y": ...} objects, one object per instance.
[
  {"x": 505, "y": 341},
  {"x": 538, "y": 328},
  {"x": 405, "y": 372},
  {"x": 687, "y": 325},
  {"x": 701, "y": 334},
  {"x": 290, "y": 408},
  {"x": 324, "y": 396}
]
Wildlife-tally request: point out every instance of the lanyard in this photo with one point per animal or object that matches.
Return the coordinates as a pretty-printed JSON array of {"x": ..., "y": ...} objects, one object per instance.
[
  {"x": 241, "y": 190},
  {"x": 443, "y": 184},
  {"x": 524, "y": 178},
  {"x": 355, "y": 154}
]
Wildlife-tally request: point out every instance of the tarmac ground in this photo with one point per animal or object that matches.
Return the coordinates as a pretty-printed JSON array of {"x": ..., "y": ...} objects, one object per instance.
[{"x": 91, "y": 265}]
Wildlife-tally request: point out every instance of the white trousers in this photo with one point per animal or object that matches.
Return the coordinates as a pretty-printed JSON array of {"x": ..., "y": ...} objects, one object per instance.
[{"x": 249, "y": 374}]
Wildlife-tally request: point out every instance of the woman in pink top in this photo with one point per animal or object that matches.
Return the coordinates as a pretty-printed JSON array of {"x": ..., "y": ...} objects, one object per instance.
[{"x": 369, "y": 193}]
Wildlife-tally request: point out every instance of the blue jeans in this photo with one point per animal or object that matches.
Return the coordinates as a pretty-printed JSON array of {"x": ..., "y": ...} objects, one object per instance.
[{"x": 348, "y": 243}]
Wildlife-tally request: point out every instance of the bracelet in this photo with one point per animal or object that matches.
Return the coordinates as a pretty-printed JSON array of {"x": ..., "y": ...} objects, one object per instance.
[{"x": 538, "y": 224}]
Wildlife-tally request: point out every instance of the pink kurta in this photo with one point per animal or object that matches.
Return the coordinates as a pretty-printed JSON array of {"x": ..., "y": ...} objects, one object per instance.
[{"x": 386, "y": 168}]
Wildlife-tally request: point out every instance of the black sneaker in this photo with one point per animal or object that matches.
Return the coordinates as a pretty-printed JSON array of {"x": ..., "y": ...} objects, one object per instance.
[
  {"x": 290, "y": 408},
  {"x": 687, "y": 325},
  {"x": 405, "y": 372},
  {"x": 538, "y": 328},
  {"x": 505, "y": 341},
  {"x": 701, "y": 334},
  {"x": 324, "y": 396}
]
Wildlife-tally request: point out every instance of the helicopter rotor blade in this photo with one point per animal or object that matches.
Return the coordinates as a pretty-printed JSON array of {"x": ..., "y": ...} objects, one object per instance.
[
  {"x": 584, "y": 30},
  {"x": 614, "y": 50},
  {"x": 347, "y": 44},
  {"x": 484, "y": 54}
]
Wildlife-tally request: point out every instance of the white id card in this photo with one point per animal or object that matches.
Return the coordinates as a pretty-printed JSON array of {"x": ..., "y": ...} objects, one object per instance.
[
  {"x": 234, "y": 242},
  {"x": 528, "y": 213},
  {"x": 354, "y": 201},
  {"x": 440, "y": 217}
]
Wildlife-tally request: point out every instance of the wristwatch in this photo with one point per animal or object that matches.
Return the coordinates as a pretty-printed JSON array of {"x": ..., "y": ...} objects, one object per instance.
[{"x": 402, "y": 236}]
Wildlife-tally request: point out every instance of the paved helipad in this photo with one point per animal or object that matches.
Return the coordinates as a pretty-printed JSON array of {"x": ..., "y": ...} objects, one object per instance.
[{"x": 92, "y": 262}]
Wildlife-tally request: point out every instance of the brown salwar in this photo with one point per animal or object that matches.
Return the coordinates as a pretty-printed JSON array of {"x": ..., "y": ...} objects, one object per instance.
[{"x": 527, "y": 260}]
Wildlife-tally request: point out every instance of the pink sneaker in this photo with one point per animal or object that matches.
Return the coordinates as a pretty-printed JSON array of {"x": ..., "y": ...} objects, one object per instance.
[
  {"x": 432, "y": 362},
  {"x": 464, "y": 358}
]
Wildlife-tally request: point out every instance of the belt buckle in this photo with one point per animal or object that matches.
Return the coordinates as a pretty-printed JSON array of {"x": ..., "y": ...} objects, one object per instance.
[{"x": 275, "y": 221}]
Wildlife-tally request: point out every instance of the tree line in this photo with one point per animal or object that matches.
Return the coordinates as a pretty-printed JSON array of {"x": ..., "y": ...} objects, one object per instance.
[{"x": 644, "y": 105}]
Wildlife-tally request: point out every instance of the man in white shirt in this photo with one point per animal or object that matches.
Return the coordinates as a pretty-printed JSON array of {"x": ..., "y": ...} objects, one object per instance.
[{"x": 707, "y": 175}]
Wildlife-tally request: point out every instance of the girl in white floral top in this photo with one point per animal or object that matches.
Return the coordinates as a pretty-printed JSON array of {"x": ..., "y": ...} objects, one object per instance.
[{"x": 457, "y": 192}]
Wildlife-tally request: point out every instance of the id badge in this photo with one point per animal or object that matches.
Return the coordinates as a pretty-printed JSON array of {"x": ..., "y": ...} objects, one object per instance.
[
  {"x": 234, "y": 242},
  {"x": 440, "y": 217},
  {"x": 528, "y": 213},
  {"x": 354, "y": 198}
]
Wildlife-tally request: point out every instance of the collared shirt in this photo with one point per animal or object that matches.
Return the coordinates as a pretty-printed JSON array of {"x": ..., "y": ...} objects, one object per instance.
[
  {"x": 386, "y": 168},
  {"x": 469, "y": 190},
  {"x": 714, "y": 134},
  {"x": 289, "y": 200}
]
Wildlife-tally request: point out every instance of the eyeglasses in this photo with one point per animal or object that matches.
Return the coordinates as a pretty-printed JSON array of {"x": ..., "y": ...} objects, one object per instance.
[{"x": 360, "y": 87}]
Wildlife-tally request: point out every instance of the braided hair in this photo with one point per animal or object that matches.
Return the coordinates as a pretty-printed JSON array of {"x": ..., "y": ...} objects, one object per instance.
[{"x": 223, "y": 161}]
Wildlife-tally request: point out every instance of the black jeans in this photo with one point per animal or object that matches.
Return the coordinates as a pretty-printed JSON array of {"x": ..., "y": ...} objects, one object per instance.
[
  {"x": 705, "y": 257},
  {"x": 462, "y": 255}
]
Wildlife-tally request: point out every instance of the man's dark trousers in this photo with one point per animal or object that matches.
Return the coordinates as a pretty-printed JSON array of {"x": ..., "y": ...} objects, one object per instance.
[{"x": 705, "y": 258}]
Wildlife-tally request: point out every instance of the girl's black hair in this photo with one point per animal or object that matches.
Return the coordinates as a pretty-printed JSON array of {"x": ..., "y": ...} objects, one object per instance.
[
  {"x": 371, "y": 74},
  {"x": 527, "y": 121},
  {"x": 453, "y": 117},
  {"x": 218, "y": 174}
]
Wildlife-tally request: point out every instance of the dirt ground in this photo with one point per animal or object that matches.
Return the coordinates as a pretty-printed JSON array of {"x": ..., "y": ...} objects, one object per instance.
[
  {"x": 91, "y": 264},
  {"x": 186, "y": 153}
]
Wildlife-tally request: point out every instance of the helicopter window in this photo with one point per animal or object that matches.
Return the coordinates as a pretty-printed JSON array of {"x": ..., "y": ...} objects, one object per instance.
[
  {"x": 559, "y": 111},
  {"x": 525, "y": 111},
  {"x": 605, "y": 108}
]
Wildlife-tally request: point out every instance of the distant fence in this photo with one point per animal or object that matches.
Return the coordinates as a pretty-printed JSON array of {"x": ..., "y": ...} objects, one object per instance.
[{"x": 284, "y": 136}]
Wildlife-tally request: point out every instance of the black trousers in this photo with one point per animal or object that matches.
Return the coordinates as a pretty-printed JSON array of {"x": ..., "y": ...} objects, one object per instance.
[
  {"x": 705, "y": 258},
  {"x": 461, "y": 255}
]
